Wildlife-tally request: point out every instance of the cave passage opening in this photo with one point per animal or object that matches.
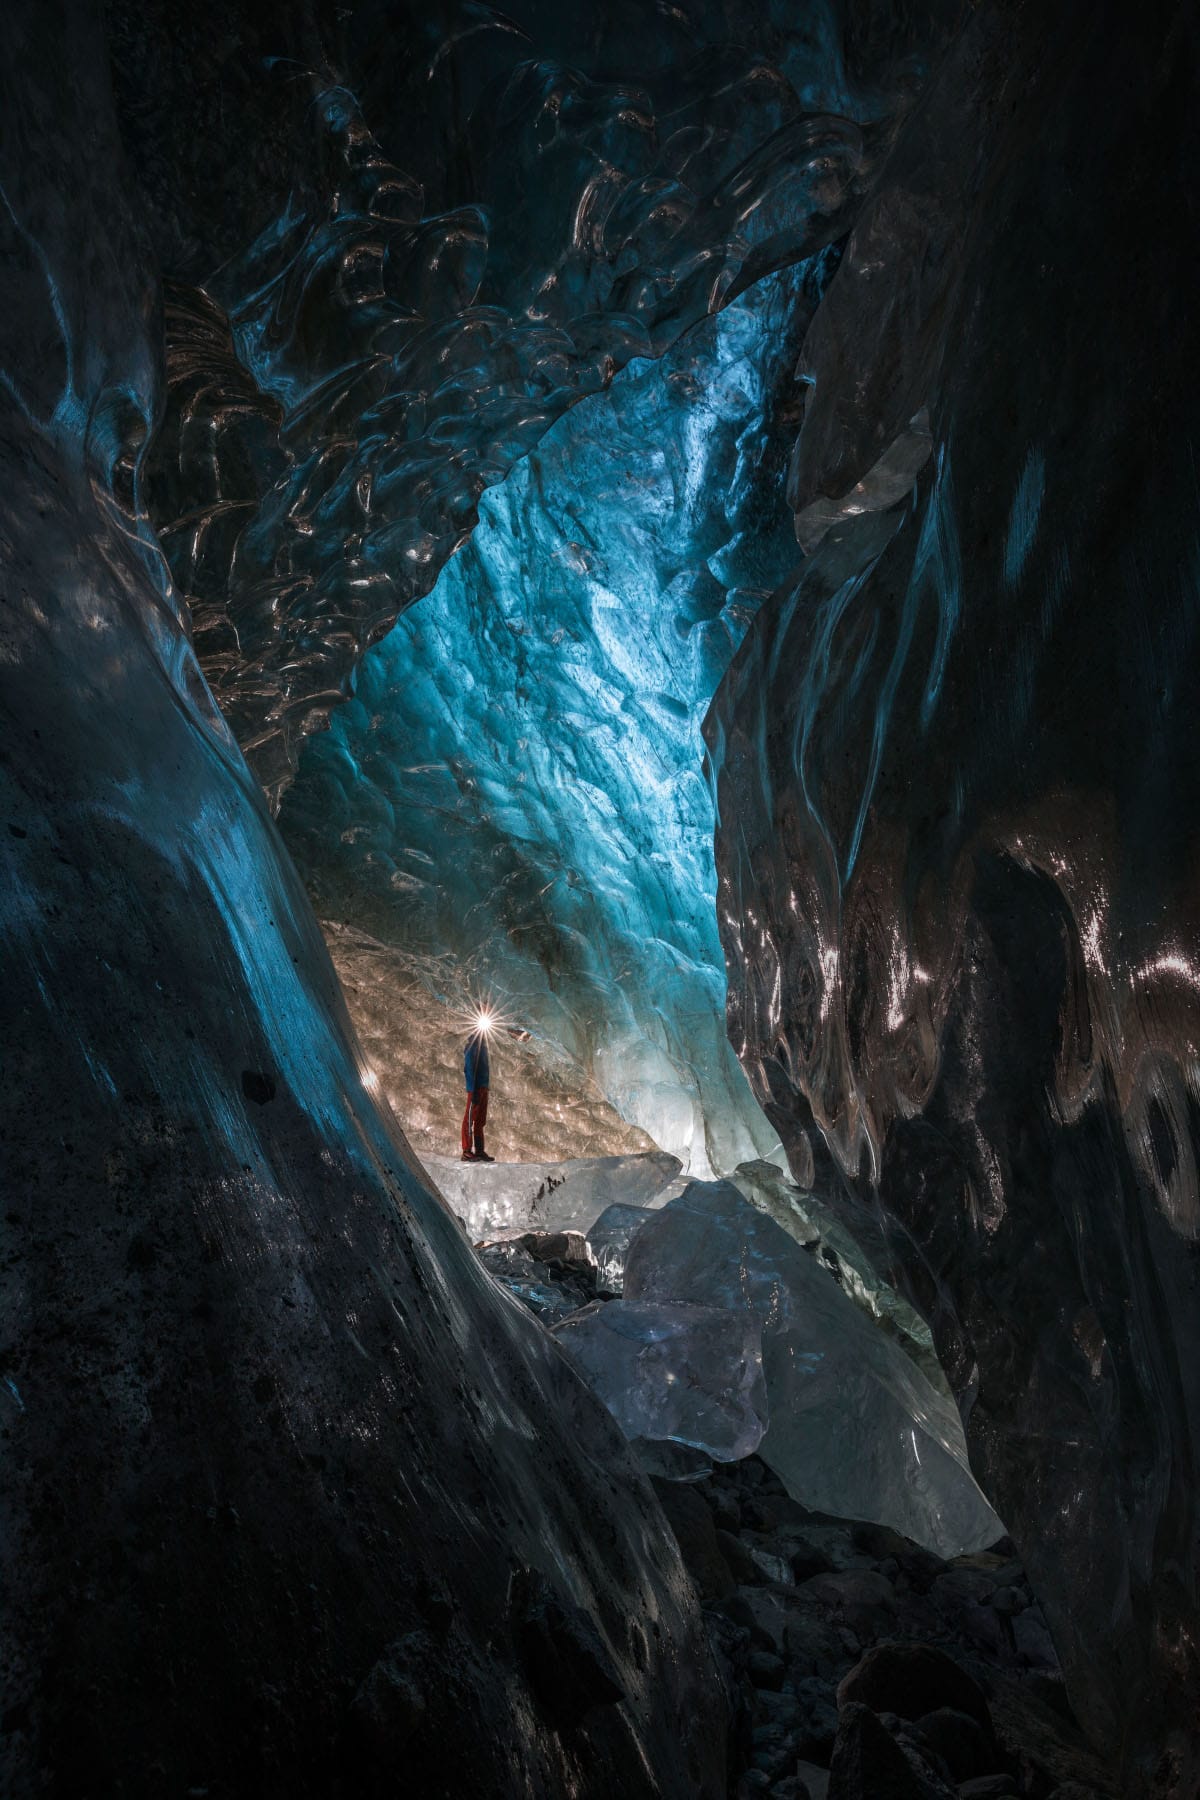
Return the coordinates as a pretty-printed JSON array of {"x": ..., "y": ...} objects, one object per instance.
[
  {"x": 514, "y": 804},
  {"x": 514, "y": 801}
]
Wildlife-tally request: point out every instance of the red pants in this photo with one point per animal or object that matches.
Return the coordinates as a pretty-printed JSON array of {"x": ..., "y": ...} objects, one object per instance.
[{"x": 474, "y": 1120}]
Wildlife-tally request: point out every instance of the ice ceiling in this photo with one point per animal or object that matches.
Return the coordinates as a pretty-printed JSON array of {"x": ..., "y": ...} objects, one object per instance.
[
  {"x": 424, "y": 374},
  {"x": 440, "y": 285}
]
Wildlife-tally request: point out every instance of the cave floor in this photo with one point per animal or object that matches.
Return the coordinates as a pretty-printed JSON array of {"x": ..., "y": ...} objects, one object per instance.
[
  {"x": 858, "y": 1664},
  {"x": 809, "y": 1614}
]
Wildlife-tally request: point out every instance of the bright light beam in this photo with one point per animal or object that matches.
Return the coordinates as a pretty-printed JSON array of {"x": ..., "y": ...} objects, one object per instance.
[{"x": 487, "y": 1016}]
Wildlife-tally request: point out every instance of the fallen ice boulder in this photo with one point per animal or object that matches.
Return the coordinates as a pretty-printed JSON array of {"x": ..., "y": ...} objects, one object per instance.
[
  {"x": 562, "y": 1196},
  {"x": 691, "y": 1374},
  {"x": 856, "y": 1429}
]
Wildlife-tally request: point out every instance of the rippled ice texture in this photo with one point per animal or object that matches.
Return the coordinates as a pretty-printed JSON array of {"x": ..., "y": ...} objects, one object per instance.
[
  {"x": 472, "y": 237},
  {"x": 517, "y": 788}
]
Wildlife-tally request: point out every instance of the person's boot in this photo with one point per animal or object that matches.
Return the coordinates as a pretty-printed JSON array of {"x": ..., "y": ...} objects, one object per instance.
[{"x": 481, "y": 1154}]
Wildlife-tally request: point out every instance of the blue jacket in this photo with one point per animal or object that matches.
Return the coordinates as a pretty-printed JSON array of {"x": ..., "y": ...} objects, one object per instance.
[{"x": 475, "y": 1062}]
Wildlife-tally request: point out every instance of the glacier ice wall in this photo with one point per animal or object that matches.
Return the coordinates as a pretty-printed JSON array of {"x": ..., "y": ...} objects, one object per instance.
[
  {"x": 289, "y": 1489},
  {"x": 516, "y": 789},
  {"x": 959, "y": 801}
]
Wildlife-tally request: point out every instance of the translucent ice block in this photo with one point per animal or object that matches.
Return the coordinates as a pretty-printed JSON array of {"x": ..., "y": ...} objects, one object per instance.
[
  {"x": 856, "y": 1429},
  {"x": 692, "y": 1374},
  {"x": 562, "y": 1196},
  {"x": 609, "y": 1239}
]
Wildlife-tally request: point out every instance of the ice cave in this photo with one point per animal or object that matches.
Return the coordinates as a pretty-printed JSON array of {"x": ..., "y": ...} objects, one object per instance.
[{"x": 632, "y": 567}]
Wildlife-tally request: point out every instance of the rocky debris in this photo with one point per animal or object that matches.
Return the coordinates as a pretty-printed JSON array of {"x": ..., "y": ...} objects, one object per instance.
[
  {"x": 553, "y": 1273},
  {"x": 859, "y": 1665},
  {"x": 862, "y": 1667},
  {"x": 965, "y": 1746},
  {"x": 912, "y": 1680},
  {"x": 871, "y": 1763}
]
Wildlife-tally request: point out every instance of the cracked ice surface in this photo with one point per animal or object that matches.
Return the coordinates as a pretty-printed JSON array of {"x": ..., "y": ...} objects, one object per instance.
[{"x": 855, "y": 1428}]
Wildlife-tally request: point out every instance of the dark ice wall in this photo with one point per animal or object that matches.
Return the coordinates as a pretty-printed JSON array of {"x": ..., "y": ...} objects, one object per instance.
[
  {"x": 958, "y": 797},
  {"x": 293, "y": 1499}
]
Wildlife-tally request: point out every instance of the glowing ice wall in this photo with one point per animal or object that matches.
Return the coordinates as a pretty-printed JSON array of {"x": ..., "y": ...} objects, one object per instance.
[{"x": 518, "y": 783}]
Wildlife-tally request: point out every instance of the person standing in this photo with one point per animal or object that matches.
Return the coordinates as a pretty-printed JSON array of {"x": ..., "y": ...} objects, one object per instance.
[{"x": 476, "y": 1073}]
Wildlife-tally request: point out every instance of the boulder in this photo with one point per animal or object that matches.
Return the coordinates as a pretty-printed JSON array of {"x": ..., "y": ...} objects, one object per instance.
[
  {"x": 911, "y": 1680},
  {"x": 868, "y": 1764}
]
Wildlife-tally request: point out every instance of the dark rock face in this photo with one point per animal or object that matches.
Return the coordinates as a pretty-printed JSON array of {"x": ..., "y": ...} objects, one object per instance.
[
  {"x": 277, "y": 1457},
  {"x": 959, "y": 794}
]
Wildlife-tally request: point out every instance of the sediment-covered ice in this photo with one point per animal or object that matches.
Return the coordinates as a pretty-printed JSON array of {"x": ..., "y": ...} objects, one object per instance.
[
  {"x": 412, "y": 1019},
  {"x": 855, "y": 1428}
]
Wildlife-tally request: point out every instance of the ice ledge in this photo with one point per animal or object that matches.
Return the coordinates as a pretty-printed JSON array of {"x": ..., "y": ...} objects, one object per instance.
[{"x": 553, "y": 1196}]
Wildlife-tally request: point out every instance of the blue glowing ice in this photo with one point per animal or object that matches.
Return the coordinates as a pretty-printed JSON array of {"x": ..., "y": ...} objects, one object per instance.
[{"x": 519, "y": 780}]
